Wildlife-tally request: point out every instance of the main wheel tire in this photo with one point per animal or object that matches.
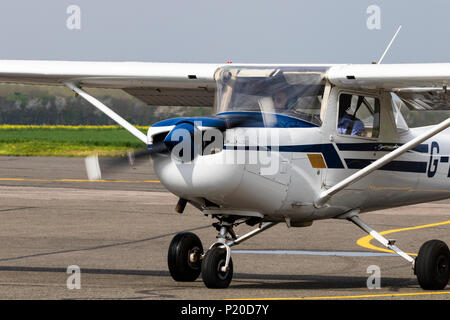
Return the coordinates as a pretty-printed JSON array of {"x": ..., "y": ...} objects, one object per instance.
[
  {"x": 212, "y": 276},
  {"x": 184, "y": 257},
  {"x": 432, "y": 265}
]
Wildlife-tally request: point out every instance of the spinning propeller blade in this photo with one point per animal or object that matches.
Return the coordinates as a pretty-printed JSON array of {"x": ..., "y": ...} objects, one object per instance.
[{"x": 99, "y": 168}]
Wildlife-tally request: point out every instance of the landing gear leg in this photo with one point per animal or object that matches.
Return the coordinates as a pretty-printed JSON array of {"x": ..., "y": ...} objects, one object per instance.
[
  {"x": 385, "y": 242},
  {"x": 217, "y": 265},
  {"x": 432, "y": 265}
]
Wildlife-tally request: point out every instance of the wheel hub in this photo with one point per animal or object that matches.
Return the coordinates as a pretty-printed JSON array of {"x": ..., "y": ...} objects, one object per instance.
[
  {"x": 221, "y": 274},
  {"x": 194, "y": 258}
]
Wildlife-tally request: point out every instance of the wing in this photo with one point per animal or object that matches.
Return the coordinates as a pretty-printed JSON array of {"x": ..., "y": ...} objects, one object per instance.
[
  {"x": 170, "y": 84},
  {"x": 420, "y": 86}
]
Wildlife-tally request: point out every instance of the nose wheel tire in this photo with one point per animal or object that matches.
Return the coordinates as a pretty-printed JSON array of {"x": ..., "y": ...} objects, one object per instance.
[
  {"x": 184, "y": 257},
  {"x": 432, "y": 265},
  {"x": 212, "y": 274}
]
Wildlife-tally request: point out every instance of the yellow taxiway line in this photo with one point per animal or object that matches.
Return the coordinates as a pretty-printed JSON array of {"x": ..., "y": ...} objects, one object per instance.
[
  {"x": 387, "y": 295},
  {"x": 78, "y": 180},
  {"x": 365, "y": 241}
]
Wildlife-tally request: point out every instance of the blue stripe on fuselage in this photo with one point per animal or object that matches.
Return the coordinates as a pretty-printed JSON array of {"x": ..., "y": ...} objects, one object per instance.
[
  {"x": 243, "y": 119},
  {"x": 423, "y": 148},
  {"x": 333, "y": 160},
  {"x": 205, "y": 121},
  {"x": 247, "y": 119},
  {"x": 329, "y": 152},
  {"x": 395, "y": 165}
]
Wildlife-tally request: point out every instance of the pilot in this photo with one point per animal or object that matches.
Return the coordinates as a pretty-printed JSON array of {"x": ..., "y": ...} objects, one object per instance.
[
  {"x": 281, "y": 101},
  {"x": 347, "y": 123}
]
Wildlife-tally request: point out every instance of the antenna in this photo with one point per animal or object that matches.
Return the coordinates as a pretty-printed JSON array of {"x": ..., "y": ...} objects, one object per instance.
[{"x": 389, "y": 45}]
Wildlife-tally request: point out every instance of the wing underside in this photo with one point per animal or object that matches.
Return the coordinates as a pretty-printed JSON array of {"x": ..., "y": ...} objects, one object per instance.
[
  {"x": 420, "y": 86},
  {"x": 153, "y": 96},
  {"x": 168, "y": 84}
]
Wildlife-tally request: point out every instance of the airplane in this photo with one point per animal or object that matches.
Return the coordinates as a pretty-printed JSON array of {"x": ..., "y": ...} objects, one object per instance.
[{"x": 287, "y": 144}]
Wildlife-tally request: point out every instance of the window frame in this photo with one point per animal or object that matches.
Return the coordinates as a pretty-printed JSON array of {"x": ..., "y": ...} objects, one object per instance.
[{"x": 356, "y": 93}]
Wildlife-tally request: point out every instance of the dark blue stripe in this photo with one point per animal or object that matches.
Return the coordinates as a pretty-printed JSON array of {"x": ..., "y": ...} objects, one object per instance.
[
  {"x": 423, "y": 148},
  {"x": 247, "y": 148},
  {"x": 205, "y": 121},
  {"x": 401, "y": 166},
  {"x": 329, "y": 152},
  {"x": 444, "y": 159},
  {"x": 243, "y": 120},
  {"x": 246, "y": 119}
]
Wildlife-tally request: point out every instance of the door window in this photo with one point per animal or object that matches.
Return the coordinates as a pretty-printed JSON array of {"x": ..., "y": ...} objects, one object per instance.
[{"x": 359, "y": 116}]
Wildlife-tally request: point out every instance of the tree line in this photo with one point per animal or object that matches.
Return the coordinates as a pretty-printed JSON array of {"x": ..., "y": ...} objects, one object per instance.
[
  {"x": 42, "y": 108},
  {"x": 37, "y": 107}
]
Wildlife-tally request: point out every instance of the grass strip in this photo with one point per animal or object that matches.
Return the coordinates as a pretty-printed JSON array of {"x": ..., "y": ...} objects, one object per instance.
[{"x": 66, "y": 141}]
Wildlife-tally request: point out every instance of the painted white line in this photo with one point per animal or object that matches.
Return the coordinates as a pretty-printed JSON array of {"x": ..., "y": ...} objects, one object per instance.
[{"x": 317, "y": 253}]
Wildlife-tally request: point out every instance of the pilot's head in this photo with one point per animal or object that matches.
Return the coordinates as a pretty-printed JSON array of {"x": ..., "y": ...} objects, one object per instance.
[{"x": 280, "y": 99}]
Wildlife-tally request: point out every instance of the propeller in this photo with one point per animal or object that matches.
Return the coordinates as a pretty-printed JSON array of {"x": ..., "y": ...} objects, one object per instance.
[
  {"x": 165, "y": 142},
  {"x": 99, "y": 168}
]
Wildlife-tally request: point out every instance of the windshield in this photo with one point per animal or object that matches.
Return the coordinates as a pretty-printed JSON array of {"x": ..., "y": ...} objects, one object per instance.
[
  {"x": 397, "y": 105},
  {"x": 291, "y": 91}
]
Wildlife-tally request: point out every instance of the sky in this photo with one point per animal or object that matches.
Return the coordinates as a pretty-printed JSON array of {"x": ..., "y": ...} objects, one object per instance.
[{"x": 241, "y": 31}]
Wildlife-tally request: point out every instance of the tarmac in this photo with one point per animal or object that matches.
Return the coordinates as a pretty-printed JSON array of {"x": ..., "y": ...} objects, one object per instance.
[{"x": 117, "y": 231}]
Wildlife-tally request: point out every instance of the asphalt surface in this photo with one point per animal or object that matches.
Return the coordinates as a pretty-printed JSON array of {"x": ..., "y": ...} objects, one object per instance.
[{"x": 118, "y": 232}]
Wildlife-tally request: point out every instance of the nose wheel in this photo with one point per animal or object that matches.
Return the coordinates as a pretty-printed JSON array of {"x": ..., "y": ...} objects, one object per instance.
[
  {"x": 186, "y": 259},
  {"x": 215, "y": 273}
]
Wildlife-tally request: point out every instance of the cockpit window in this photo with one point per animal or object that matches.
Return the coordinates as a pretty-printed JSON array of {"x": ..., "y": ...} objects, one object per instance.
[
  {"x": 295, "y": 92},
  {"x": 359, "y": 116},
  {"x": 397, "y": 105}
]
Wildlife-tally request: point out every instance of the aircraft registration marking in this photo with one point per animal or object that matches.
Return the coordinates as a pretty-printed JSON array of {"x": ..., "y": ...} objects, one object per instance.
[{"x": 435, "y": 160}]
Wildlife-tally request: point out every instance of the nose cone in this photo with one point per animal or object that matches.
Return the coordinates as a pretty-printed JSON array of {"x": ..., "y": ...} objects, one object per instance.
[
  {"x": 165, "y": 135},
  {"x": 206, "y": 176},
  {"x": 198, "y": 174},
  {"x": 180, "y": 132}
]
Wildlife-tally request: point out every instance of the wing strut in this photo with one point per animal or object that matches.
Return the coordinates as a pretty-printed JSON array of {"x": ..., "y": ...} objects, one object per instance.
[
  {"x": 353, "y": 217},
  {"x": 103, "y": 108},
  {"x": 326, "y": 195}
]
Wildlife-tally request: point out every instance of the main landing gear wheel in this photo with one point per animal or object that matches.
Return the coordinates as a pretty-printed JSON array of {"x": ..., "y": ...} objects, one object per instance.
[
  {"x": 432, "y": 265},
  {"x": 213, "y": 275},
  {"x": 184, "y": 257}
]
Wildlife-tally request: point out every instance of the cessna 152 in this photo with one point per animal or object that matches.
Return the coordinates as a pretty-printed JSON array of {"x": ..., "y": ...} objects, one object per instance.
[{"x": 288, "y": 143}]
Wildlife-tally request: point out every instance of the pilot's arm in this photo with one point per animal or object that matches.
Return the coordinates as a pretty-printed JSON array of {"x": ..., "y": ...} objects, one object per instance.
[{"x": 358, "y": 128}]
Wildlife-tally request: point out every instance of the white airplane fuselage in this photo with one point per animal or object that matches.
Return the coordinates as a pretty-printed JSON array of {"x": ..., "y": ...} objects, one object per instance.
[{"x": 281, "y": 183}]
